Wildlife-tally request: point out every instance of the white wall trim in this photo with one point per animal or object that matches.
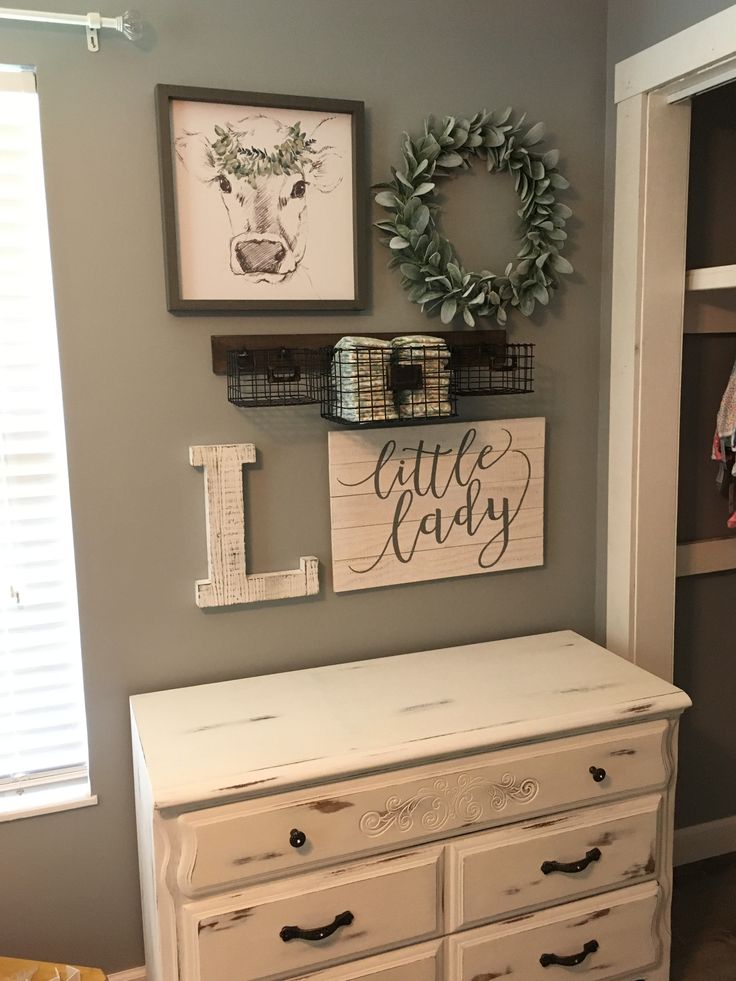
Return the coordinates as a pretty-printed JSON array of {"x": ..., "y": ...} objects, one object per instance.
[
  {"x": 650, "y": 210},
  {"x": 89, "y": 800},
  {"x": 134, "y": 974},
  {"x": 703, "y": 841},
  {"x": 691, "y": 51}
]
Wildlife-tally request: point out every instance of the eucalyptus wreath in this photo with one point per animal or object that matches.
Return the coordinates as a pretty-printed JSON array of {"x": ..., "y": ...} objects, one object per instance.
[{"x": 428, "y": 262}]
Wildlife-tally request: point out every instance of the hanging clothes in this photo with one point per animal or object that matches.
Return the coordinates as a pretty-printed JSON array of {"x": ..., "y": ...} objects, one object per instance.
[
  {"x": 726, "y": 422},
  {"x": 724, "y": 447}
]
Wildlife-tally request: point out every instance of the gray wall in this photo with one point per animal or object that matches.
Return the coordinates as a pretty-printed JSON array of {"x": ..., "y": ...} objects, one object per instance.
[
  {"x": 636, "y": 24},
  {"x": 139, "y": 389}
]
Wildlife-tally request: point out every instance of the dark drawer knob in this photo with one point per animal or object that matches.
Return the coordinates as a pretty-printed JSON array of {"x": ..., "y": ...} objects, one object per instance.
[
  {"x": 297, "y": 838},
  {"x": 571, "y": 868},
  {"x": 288, "y": 933},
  {"x": 571, "y": 960},
  {"x": 598, "y": 773}
]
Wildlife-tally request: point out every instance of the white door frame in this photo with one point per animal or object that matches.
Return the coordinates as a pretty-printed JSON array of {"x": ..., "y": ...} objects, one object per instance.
[{"x": 652, "y": 90}]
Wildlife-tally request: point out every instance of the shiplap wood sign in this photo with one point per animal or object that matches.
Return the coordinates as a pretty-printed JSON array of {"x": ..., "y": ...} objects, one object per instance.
[
  {"x": 436, "y": 501},
  {"x": 229, "y": 582}
]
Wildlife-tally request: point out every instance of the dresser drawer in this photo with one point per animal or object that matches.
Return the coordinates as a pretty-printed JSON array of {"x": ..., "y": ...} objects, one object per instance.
[
  {"x": 612, "y": 936},
  {"x": 420, "y": 962},
  {"x": 493, "y": 874},
  {"x": 255, "y": 933},
  {"x": 238, "y": 842}
]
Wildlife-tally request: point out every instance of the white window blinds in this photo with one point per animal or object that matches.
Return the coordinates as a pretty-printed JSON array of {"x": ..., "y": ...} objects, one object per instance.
[{"x": 43, "y": 739}]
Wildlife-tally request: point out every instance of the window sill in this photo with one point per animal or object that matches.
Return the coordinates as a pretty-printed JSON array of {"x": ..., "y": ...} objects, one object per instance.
[{"x": 46, "y": 807}]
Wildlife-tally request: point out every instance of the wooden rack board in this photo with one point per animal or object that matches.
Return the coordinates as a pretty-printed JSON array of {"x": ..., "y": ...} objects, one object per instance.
[{"x": 223, "y": 343}]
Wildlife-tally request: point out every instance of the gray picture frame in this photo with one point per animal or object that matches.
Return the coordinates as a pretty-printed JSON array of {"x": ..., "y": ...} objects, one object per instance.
[{"x": 176, "y": 303}]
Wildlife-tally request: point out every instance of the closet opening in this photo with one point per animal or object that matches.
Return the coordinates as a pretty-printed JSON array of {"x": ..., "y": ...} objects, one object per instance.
[{"x": 706, "y": 552}]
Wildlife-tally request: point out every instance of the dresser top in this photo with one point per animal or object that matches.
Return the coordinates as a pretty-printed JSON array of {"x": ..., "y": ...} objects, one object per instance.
[{"x": 244, "y": 738}]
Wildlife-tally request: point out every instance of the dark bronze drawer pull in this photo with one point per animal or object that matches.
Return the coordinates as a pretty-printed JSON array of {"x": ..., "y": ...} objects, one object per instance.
[
  {"x": 597, "y": 773},
  {"x": 297, "y": 838},
  {"x": 546, "y": 960},
  {"x": 571, "y": 868},
  {"x": 318, "y": 933}
]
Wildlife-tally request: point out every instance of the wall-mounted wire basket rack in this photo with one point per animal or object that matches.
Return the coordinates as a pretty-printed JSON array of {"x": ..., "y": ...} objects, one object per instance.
[
  {"x": 493, "y": 369},
  {"x": 275, "y": 376},
  {"x": 376, "y": 384}
]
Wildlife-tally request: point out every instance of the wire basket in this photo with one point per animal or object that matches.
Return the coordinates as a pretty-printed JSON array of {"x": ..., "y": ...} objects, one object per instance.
[
  {"x": 493, "y": 369},
  {"x": 274, "y": 376},
  {"x": 373, "y": 386}
]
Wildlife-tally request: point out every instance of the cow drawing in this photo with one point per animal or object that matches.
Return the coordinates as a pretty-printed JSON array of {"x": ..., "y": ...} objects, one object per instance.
[{"x": 263, "y": 171}]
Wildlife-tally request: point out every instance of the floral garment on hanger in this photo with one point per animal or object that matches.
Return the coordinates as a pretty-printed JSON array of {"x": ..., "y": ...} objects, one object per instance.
[{"x": 724, "y": 446}]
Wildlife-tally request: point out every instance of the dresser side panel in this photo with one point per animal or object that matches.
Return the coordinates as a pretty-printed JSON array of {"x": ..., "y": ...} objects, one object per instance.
[{"x": 157, "y": 902}]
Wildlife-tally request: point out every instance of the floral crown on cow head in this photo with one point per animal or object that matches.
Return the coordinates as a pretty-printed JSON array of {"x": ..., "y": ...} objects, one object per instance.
[{"x": 228, "y": 155}]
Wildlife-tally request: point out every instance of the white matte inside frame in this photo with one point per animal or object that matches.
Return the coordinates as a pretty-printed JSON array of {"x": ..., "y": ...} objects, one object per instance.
[{"x": 207, "y": 220}]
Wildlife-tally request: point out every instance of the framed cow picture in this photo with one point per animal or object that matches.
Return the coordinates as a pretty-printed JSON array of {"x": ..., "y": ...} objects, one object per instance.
[{"x": 264, "y": 201}]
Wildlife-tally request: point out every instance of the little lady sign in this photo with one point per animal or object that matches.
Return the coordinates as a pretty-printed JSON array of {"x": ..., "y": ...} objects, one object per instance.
[{"x": 433, "y": 502}]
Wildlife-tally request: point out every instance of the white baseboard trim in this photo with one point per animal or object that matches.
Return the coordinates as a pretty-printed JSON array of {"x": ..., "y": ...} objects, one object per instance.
[
  {"x": 134, "y": 974},
  {"x": 703, "y": 841}
]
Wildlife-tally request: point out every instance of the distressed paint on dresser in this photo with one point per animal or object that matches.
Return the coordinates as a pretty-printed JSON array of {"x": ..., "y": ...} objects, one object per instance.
[
  {"x": 462, "y": 767},
  {"x": 242, "y": 842},
  {"x": 492, "y": 876},
  {"x": 622, "y": 925},
  {"x": 255, "y": 736},
  {"x": 391, "y": 899}
]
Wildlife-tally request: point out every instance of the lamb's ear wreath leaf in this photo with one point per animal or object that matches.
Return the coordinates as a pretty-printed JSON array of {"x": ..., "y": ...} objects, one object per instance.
[{"x": 428, "y": 260}]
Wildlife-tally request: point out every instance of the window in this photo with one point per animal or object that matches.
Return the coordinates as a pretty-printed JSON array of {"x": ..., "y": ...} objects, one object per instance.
[{"x": 43, "y": 737}]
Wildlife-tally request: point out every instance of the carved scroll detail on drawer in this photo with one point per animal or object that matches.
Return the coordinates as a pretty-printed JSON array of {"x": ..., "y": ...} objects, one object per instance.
[{"x": 462, "y": 797}]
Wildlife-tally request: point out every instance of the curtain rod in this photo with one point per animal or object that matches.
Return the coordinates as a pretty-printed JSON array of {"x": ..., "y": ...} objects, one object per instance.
[{"x": 129, "y": 23}]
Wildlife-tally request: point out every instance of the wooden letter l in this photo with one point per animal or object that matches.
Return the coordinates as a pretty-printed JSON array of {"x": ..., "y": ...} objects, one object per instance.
[{"x": 228, "y": 581}]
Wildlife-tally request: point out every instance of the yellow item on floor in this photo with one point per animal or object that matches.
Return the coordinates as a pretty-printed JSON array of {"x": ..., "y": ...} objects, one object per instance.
[{"x": 12, "y": 969}]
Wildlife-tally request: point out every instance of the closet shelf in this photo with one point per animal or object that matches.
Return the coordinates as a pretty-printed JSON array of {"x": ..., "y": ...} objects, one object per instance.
[
  {"x": 711, "y": 278},
  {"x": 709, "y": 555}
]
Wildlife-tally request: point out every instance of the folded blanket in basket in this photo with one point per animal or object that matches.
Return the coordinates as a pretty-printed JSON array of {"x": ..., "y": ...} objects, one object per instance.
[
  {"x": 367, "y": 413},
  {"x": 418, "y": 410},
  {"x": 357, "y": 383},
  {"x": 418, "y": 340},
  {"x": 433, "y": 356}
]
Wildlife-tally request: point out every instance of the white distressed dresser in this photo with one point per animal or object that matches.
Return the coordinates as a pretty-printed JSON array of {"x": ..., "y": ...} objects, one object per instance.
[{"x": 467, "y": 814}]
